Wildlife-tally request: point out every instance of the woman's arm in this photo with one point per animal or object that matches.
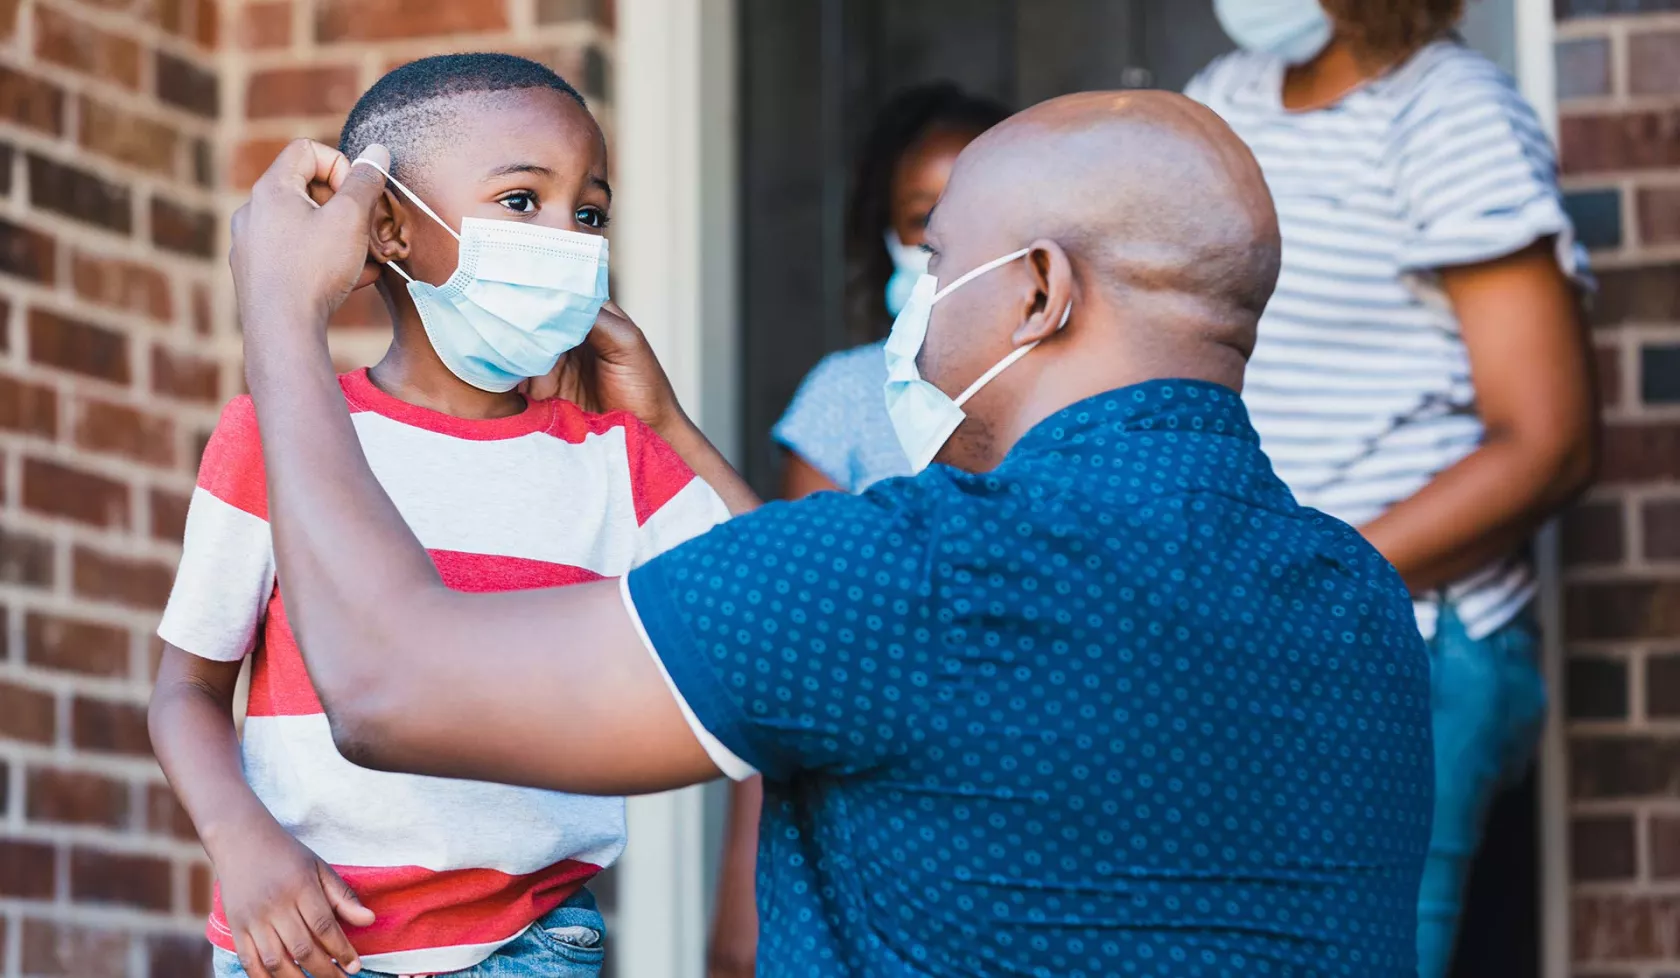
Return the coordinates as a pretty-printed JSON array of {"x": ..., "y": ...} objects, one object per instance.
[{"x": 1529, "y": 362}]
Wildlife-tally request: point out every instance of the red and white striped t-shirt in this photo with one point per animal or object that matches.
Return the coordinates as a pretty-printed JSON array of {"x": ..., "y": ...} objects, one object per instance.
[{"x": 555, "y": 495}]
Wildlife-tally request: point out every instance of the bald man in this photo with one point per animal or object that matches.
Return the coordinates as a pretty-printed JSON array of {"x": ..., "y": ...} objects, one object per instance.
[{"x": 1090, "y": 696}]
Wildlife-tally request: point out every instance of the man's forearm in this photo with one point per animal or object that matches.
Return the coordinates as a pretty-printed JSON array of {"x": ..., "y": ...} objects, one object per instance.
[{"x": 351, "y": 568}]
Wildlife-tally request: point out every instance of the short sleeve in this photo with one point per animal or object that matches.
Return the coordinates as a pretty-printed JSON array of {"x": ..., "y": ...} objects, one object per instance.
[
  {"x": 823, "y": 424},
  {"x": 1477, "y": 172},
  {"x": 226, "y": 574},
  {"x": 672, "y": 504},
  {"x": 799, "y": 636}
]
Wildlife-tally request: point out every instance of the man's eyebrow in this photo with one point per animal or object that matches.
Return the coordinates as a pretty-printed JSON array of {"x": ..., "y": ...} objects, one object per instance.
[
  {"x": 603, "y": 184},
  {"x": 502, "y": 171}
]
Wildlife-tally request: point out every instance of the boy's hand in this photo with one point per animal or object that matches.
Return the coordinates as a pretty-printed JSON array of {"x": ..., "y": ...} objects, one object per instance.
[
  {"x": 614, "y": 370},
  {"x": 284, "y": 905},
  {"x": 300, "y": 244}
]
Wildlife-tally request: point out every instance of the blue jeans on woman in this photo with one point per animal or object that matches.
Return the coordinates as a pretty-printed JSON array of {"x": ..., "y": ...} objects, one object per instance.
[
  {"x": 567, "y": 943},
  {"x": 1489, "y": 709}
]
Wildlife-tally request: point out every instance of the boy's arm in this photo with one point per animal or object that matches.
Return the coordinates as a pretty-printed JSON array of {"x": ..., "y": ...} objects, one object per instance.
[{"x": 281, "y": 901}]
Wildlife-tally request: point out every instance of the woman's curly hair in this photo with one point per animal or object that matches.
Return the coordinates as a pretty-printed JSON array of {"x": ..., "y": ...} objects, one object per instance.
[{"x": 1389, "y": 30}]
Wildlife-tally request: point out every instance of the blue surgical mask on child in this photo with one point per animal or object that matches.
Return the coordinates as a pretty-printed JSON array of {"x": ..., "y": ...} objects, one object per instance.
[
  {"x": 521, "y": 296},
  {"x": 910, "y": 262},
  {"x": 923, "y": 416},
  {"x": 1294, "y": 30}
]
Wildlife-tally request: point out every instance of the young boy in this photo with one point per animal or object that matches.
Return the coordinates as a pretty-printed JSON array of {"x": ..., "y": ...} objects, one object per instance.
[{"x": 500, "y": 199}]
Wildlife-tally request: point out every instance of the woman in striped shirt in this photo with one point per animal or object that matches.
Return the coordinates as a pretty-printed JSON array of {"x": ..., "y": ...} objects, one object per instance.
[{"x": 1421, "y": 371}]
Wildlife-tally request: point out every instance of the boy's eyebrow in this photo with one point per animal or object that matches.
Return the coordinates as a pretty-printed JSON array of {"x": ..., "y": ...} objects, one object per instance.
[
  {"x": 603, "y": 184},
  {"x": 502, "y": 171}
]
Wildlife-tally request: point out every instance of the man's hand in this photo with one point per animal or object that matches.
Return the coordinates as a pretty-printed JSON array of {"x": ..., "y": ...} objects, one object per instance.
[
  {"x": 614, "y": 370},
  {"x": 284, "y": 905},
  {"x": 301, "y": 242}
]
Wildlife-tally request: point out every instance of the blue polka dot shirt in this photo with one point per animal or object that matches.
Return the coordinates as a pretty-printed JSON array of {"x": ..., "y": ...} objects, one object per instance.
[{"x": 1119, "y": 707}]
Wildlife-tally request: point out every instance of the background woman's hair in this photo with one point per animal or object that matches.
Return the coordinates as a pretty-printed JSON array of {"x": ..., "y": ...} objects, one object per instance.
[
  {"x": 906, "y": 118},
  {"x": 1391, "y": 30}
]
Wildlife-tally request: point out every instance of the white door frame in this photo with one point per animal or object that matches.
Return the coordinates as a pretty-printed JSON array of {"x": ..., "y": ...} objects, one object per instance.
[
  {"x": 1535, "y": 31},
  {"x": 674, "y": 255}
]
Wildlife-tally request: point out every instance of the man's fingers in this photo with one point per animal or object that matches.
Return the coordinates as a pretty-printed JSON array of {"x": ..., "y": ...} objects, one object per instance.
[
  {"x": 301, "y": 163},
  {"x": 343, "y": 899},
  {"x": 363, "y": 185}
]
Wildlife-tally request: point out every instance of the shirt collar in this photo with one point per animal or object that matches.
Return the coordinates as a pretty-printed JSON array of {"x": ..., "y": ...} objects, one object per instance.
[{"x": 1154, "y": 405}]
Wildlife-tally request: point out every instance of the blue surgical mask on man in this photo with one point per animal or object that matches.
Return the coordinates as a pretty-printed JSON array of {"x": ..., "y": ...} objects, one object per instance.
[
  {"x": 910, "y": 262},
  {"x": 1294, "y": 30},
  {"x": 521, "y": 296},
  {"x": 923, "y": 416}
]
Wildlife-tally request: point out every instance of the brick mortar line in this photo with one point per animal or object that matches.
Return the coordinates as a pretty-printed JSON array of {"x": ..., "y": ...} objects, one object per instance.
[
  {"x": 137, "y": 27},
  {"x": 82, "y": 762},
  {"x": 1574, "y": 28},
  {"x": 1589, "y": 106},
  {"x": 81, "y": 608},
  {"x": 315, "y": 54},
  {"x": 182, "y": 466},
  {"x": 115, "y": 468},
  {"x": 97, "y": 915},
  {"x": 122, "y": 843},
  {"x": 136, "y": 101},
  {"x": 69, "y": 151},
  {"x": 65, "y": 228},
  {"x": 127, "y": 691},
  {"x": 172, "y": 847}
]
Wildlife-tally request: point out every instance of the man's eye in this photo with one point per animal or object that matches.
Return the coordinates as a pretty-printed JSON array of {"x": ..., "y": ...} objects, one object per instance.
[
  {"x": 591, "y": 217},
  {"x": 520, "y": 203}
]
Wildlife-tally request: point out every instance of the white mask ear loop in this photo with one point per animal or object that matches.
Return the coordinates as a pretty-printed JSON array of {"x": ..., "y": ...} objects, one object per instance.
[
  {"x": 1007, "y": 362},
  {"x": 983, "y": 269},
  {"x": 411, "y": 195}
]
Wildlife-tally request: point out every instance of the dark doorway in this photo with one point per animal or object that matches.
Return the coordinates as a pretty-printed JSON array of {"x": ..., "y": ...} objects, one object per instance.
[
  {"x": 1500, "y": 936},
  {"x": 813, "y": 74}
]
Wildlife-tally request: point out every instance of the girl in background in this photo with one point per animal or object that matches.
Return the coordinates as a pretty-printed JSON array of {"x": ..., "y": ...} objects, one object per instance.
[
  {"x": 1421, "y": 371},
  {"x": 836, "y": 430}
]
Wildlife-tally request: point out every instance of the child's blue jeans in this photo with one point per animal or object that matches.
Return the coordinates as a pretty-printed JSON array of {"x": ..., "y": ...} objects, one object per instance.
[
  {"x": 1489, "y": 709},
  {"x": 568, "y": 943}
]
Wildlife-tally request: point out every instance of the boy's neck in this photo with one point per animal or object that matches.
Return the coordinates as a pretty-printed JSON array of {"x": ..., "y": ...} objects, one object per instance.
[{"x": 411, "y": 372}]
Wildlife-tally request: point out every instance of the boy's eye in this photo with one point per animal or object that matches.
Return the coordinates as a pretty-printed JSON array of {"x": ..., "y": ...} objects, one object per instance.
[
  {"x": 591, "y": 217},
  {"x": 520, "y": 202}
]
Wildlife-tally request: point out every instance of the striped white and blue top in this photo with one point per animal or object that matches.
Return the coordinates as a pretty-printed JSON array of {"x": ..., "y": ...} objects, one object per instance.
[{"x": 1360, "y": 385}]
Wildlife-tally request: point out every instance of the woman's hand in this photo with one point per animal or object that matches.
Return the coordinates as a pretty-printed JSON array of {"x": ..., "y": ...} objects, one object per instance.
[{"x": 614, "y": 370}]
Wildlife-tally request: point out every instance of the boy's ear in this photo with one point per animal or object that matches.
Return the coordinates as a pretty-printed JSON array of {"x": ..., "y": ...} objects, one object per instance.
[{"x": 389, "y": 231}]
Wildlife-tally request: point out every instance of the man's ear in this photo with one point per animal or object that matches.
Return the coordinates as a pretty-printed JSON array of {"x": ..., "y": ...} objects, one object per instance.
[{"x": 1052, "y": 298}]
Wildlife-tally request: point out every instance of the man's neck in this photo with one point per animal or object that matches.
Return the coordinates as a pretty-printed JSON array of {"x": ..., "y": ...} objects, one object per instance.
[
  {"x": 411, "y": 372},
  {"x": 1075, "y": 376}
]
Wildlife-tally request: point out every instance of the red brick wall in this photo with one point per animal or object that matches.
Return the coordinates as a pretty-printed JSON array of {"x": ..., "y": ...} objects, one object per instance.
[
  {"x": 112, "y": 365},
  {"x": 128, "y": 130},
  {"x": 1619, "y": 88}
]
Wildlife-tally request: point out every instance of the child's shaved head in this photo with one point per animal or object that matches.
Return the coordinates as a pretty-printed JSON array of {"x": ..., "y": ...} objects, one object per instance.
[{"x": 409, "y": 110}]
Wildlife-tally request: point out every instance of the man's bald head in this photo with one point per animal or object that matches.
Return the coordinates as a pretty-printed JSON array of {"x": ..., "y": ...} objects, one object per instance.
[{"x": 1158, "y": 211}]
